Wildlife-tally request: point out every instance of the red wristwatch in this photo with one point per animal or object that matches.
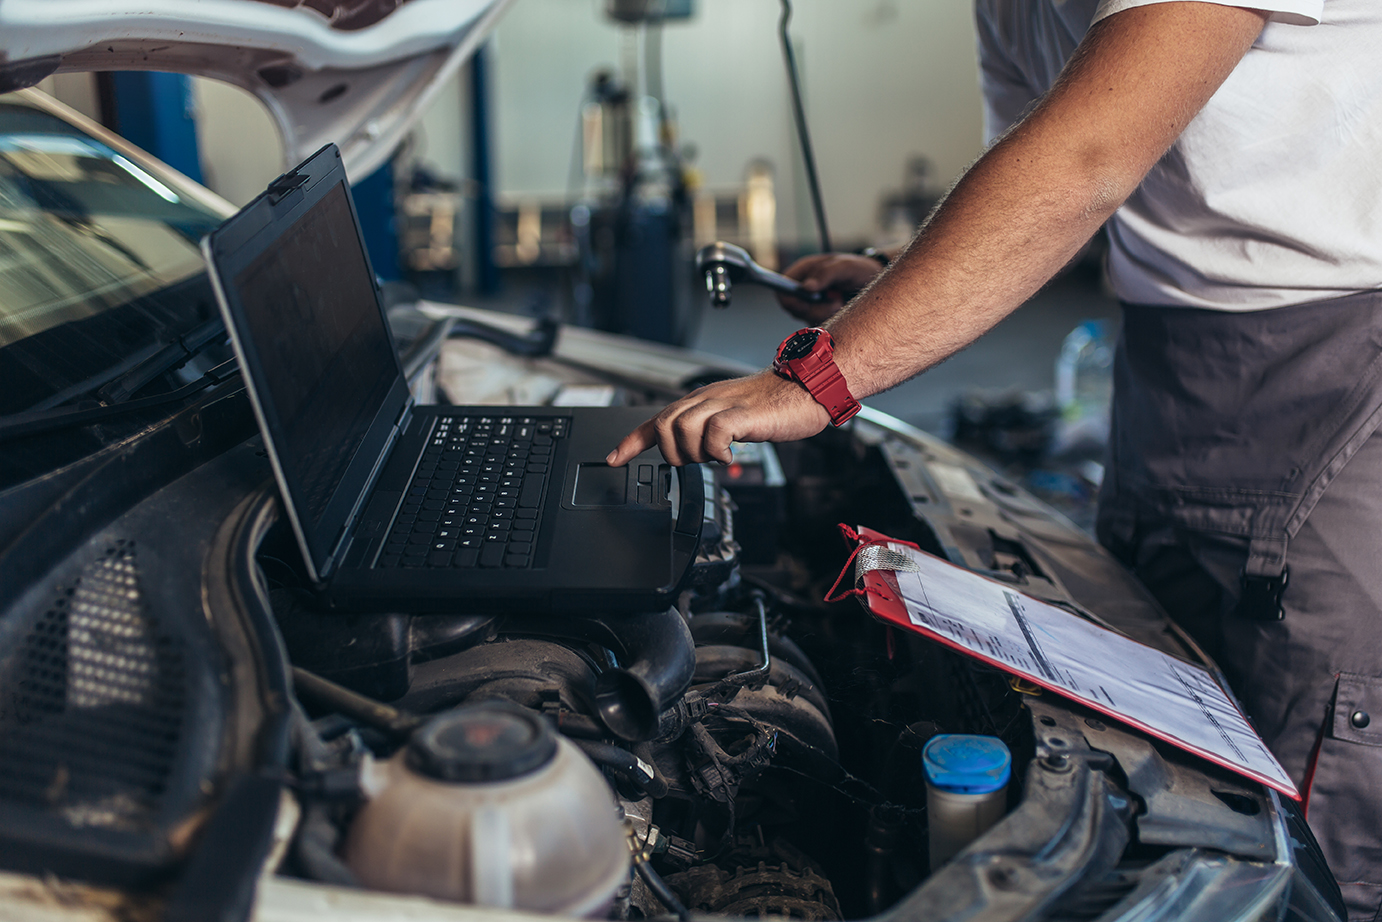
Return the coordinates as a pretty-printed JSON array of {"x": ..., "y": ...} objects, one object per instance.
[{"x": 808, "y": 358}]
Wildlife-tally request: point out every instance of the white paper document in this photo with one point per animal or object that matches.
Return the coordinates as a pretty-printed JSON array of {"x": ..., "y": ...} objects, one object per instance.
[{"x": 1174, "y": 700}]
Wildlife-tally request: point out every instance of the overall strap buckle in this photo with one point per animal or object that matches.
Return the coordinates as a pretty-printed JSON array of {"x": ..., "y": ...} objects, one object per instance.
[
  {"x": 1265, "y": 573},
  {"x": 1261, "y": 596}
]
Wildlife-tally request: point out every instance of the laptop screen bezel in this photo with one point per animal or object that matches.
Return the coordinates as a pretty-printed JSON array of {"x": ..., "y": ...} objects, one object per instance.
[{"x": 229, "y": 251}]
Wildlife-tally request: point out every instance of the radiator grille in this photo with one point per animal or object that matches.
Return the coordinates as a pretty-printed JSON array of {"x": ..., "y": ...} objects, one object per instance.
[{"x": 93, "y": 704}]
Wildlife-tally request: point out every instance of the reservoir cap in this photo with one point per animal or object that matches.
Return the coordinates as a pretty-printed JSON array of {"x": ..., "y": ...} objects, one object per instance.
[
  {"x": 964, "y": 764},
  {"x": 491, "y": 741}
]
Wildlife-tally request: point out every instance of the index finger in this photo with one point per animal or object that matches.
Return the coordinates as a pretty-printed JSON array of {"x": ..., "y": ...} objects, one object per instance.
[{"x": 633, "y": 444}]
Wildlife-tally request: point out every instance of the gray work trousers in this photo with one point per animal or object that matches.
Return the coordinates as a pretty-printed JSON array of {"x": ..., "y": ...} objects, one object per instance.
[{"x": 1245, "y": 482}]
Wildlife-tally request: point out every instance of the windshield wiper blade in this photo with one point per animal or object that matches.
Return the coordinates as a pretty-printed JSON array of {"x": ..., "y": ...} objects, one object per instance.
[
  {"x": 34, "y": 422},
  {"x": 116, "y": 383},
  {"x": 169, "y": 358}
]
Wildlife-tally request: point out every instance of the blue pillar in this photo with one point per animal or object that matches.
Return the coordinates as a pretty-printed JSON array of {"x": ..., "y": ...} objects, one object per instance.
[
  {"x": 374, "y": 203},
  {"x": 155, "y": 111},
  {"x": 486, "y": 272}
]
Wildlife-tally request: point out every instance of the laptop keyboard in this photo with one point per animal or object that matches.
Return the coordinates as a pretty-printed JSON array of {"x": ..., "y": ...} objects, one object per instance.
[{"x": 475, "y": 500}]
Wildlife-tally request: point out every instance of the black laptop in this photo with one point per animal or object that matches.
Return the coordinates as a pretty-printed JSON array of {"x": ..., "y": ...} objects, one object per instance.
[{"x": 407, "y": 507}]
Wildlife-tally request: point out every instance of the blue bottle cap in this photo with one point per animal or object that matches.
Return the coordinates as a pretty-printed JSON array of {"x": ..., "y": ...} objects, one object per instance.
[{"x": 965, "y": 764}]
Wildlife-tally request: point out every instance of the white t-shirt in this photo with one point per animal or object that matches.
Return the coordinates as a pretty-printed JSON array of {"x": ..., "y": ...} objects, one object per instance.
[{"x": 1272, "y": 195}]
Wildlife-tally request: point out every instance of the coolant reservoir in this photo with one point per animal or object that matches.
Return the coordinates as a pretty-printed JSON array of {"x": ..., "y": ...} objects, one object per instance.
[{"x": 487, "y": 805}]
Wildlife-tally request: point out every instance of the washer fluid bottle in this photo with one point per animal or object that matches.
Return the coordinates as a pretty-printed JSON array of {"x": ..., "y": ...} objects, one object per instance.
[
  {"x": 966, "y": 790},
  {"x": 487, "y": 805},
  {"x": 1084, "y": 389}
]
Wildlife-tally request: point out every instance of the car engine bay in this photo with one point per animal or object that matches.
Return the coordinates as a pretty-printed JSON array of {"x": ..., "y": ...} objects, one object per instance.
[
  {"x": 752, "y": 751},
  {"x": 763, "y": 747}
]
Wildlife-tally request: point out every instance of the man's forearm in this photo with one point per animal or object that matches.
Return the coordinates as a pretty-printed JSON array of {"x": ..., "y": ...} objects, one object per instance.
[
  {"x": 1028, "y": 205},
  {"x": 986, "y": 251}
]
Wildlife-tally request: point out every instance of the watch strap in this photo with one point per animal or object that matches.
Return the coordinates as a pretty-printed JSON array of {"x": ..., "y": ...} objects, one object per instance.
[{"x": 826, "y": 384}]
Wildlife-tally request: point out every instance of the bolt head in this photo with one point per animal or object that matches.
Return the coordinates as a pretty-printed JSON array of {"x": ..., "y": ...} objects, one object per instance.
[
  {"x": 1003, "y": 878},
  {"x": 1057, "y": 762}
]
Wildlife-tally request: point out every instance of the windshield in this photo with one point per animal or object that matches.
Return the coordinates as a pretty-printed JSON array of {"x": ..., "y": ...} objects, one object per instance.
[{"x": 99, "y": 260}]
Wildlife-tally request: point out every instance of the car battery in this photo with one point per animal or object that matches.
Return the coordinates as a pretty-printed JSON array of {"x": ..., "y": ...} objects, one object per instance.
[{"x": 754, "y": 480}]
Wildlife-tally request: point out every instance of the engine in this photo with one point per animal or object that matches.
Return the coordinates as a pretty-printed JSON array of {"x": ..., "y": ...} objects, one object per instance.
[{"x": 752, "y": 751}]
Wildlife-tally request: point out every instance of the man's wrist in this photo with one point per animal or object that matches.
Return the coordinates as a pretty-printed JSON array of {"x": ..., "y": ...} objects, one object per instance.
[{"x": 799, "y": 389}]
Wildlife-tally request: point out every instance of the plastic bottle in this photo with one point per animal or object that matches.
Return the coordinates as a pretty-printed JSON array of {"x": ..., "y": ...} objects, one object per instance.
[
  {"x": 1084, "y": 389},
  {"x": 966, "y": 790}
]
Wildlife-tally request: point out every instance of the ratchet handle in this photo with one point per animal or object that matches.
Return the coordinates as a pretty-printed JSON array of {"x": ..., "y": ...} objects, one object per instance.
[
  {"x": 792, "y": 287},
  {"x": 719, "y": 281}
]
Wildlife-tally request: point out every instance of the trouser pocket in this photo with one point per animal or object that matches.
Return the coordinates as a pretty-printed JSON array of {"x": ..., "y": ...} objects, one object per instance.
[{"x": 1344, "y": 794}]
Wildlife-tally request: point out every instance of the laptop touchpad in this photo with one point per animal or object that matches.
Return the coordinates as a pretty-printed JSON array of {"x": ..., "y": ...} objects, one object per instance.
[{"x": 601, "y": 485}]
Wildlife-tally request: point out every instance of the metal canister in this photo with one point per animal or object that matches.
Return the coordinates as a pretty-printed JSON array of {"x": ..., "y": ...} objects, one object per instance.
[{"x": 966, "y": 790}]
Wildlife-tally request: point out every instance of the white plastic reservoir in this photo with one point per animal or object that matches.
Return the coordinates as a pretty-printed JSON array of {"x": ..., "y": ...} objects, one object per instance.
[{"x": 487, "y": 805}]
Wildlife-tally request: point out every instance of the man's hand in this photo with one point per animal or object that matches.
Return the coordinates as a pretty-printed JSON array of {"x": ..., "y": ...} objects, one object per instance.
[
  {"x": 700, "y": 426},
  {"x": 840, "y": 275}
]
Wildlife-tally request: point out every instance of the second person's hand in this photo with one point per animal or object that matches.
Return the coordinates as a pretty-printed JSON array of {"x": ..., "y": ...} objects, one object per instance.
[
  {"x": 700, "y": 426},
  {"x": 840, "y": 275}
]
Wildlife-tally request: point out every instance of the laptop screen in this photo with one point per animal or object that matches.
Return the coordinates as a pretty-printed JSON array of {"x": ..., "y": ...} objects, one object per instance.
[{"x": 325, "y": 357}]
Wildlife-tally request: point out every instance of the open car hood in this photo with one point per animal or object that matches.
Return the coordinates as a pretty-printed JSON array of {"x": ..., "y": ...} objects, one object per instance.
[{"x": 356, "y": 72}]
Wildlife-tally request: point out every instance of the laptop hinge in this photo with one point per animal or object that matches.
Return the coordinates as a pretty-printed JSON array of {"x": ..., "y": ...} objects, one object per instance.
[{"x": 341, "y": 543}]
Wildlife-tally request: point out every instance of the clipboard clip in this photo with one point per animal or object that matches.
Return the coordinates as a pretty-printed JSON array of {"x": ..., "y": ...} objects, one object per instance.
[{"x": 869, "y": 554}]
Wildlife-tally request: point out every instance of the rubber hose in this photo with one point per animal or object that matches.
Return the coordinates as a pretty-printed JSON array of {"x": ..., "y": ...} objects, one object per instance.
[
  {"x": 626, "y": 765},
  {"x": 662, "y": 891},
  {"x": 657, "y": 656},
  {"x": 315, "y": 852}
]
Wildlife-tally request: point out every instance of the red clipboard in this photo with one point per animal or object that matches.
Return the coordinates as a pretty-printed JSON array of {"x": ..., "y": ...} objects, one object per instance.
[{"x": 878, "y": 590}]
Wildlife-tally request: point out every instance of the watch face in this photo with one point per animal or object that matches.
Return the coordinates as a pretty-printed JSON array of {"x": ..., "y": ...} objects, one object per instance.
[{"x": 799, "y": 346}]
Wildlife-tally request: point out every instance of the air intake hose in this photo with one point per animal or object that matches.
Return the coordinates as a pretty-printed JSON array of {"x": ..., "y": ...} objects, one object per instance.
[
  {"x": 659, "y": 662},
  {"x": 657, "y": 658}
]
